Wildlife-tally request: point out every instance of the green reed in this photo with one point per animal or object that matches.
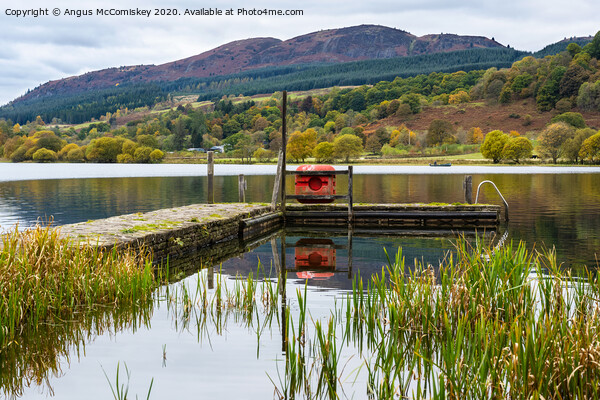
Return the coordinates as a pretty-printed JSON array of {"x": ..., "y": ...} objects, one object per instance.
[{"x": 45, "y": 276}]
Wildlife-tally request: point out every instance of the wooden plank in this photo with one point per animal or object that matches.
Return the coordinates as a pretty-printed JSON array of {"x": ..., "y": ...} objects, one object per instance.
[
  {"x": 317, "y": 173},
  {"x": 317, "y": 197}
]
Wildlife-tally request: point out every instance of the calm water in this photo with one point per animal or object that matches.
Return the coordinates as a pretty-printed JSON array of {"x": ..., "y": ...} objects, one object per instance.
[{"x": 551, "y": 207}]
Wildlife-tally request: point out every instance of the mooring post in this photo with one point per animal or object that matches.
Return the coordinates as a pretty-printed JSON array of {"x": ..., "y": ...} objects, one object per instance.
[
  {"x": 284, "y": 149},
  {"x": 210, "y": 173},
  {"x": 350, "y": 228},
  {"x": 277, "y": 183},
  {"x": 241, "y": 188},
  {"x": 350, "y": 206},
  {"x": 468, "y": 188},
  {"x": 282, "y": 288}
]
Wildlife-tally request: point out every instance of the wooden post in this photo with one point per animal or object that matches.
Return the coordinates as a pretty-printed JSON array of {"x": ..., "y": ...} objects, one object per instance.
[
  {"x": 210, "y": 173},
  {"x": 284, "y": 149},
  {"x": 282, "y": 288},
  {"x": 350, "y": 206},
  {"x": 350, "y": 251},
  {"x": 277, "y": 183},
  {"x": 241, "y": 188},
  {"x": 468, "y": 188}
]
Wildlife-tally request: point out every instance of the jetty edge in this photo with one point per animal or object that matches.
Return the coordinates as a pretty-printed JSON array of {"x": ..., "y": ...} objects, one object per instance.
[{"x": 174, "y": 232}]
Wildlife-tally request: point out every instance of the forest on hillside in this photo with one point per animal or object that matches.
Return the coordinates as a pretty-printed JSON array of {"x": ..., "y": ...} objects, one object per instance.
[
  {"x": 345, "y": 123},
  {"x": 84, "y": 105}
]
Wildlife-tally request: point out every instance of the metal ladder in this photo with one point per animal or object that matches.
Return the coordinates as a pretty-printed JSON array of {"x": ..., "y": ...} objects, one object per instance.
[{"x": 500, "y": 194}]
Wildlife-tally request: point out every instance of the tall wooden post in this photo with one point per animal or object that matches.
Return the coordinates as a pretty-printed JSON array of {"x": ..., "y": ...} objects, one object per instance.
[
  {"x": 350, "y": 195},
  {"x": 277, "y": 183},
  {"x": 284, "y": 149},
  {"x": 210, "y": 173},
  {"x": 468, "y": 188},
  {"x": 241, "y": 188}
]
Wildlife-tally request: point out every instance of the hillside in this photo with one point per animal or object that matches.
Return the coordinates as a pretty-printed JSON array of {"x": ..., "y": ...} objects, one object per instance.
[{"x": 364, "y": 42}]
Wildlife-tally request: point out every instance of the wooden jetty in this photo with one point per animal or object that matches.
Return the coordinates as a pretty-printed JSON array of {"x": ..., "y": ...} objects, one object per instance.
[{"x": 177, "y": 232}]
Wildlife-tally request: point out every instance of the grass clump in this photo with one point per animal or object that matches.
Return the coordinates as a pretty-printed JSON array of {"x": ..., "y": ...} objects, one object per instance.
[{"x": 44, "y": 276}]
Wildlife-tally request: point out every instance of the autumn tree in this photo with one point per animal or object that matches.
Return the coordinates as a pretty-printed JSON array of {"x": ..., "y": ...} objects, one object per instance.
[
  {"x": 590, "y": 148},
  {"x": 323, "y": 152},
  {"x": 373, "y": 145},
  {"x": 301, "y": 144},
  {"x": 346, "y": 146},
  {"x": 475, "y": 135},
  {"x": 493, "y": 145},
  {"x": 103, "y": 150},
  {"x": 517, "y": 148},
  {"x": 44, "y": 155},
  {"x": 551, "y": 139},
  {"x": 440, "y": 131},
  {"x": 572, "y": 146}
]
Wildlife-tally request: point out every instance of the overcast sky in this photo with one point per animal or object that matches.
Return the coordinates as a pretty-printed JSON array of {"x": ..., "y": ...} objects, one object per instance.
[{"x": 36, "y": 50}]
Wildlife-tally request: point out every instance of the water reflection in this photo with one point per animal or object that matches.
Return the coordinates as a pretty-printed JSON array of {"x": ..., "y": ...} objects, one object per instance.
[
  {"x": 561, "y": 210},
  {"x": 43, "y": 352}
]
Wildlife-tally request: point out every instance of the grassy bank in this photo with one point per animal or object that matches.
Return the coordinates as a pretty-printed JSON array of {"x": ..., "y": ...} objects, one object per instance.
[{"x": 44, "y": 277}]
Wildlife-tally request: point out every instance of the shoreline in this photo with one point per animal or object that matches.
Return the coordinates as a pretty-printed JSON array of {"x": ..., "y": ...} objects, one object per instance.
[{"x": 32, "y": 171}]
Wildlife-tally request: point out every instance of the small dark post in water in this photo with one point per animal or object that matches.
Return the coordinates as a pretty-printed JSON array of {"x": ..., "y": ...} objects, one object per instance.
[
  {"x": 283, "y": 148},
  {"x": 210, "y": 172},
  {"x": 350, "y": 199},
  {"x": 468, "y": 188},
  {"x": 211, "y": 278},
  {"x": 241, "y": 188},
  {"x": 350, "y": 251},
  {"x": 282, "y": 280}
]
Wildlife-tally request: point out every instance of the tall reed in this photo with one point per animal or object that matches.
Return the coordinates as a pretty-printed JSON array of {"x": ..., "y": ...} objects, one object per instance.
[{"x": 45, "y": 276}]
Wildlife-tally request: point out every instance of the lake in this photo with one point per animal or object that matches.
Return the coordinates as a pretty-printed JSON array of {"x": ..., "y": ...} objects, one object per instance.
[
  {"x": 549, "y": 206},
  {"x": 189, "y": 357}
]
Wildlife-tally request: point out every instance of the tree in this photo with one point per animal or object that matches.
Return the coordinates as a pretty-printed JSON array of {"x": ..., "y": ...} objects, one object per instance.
[
  {"x": 572, "y": 146},
  {"x": 572, "y": 118},
  {"x": 459, "y": 97},
  {"x": 548, "y": 94},
  {"x": 552, "y": 138},
  {"x": 373, "y": 145},
  {"x": 414, "y": 102},
  {"x": 439, "y": 131},
  {"x": 262, "y": 155},
  {"x": 588, "y": 98},
  {"x": 48, "y": 140},
  {"x": 103, "y": 150},
  {"x": 62, "y": 154},
  {"x": 517, "y": 148},
  {"x": 323, "y": 152},
  {"x": 156, "y": 156},
  {"x": 475, "y": 135},
  {"x": 346, "y": 146},
  {"x": 301, "y": 144},
  {"x": 590, "y": 148},
  {"x": 44, "y": 155},
  {"x": 493, "y": 145},
  {"x": 147, "y": 141},
  {"x": 142, "y": 154},
  {"x": 593, "y": 48}
]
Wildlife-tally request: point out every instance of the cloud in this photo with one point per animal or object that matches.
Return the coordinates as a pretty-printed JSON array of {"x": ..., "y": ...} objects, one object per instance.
[{"x": 36, "y": 50}]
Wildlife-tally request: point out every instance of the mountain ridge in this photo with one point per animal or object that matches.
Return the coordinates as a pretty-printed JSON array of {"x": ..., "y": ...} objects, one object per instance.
[{"x": 355, "y": 43}]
